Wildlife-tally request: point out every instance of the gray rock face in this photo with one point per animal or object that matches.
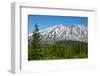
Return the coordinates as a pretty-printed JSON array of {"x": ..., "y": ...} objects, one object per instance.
[{"x": 64, "y": 32}]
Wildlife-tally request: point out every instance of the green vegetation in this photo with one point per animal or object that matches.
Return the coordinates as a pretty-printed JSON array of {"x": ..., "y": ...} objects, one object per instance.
[
  {"x": 35, "y": 45},
  {"x": 58, "y": 50}
]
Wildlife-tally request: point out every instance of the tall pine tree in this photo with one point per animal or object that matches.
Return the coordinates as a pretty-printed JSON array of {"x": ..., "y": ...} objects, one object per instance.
[
  {"x": 36, "y": 38},
  {"x": 36, "y": 45}
]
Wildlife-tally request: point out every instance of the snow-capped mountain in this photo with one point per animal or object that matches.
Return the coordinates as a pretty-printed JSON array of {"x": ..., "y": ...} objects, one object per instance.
[{"x": 64, "y": 32}]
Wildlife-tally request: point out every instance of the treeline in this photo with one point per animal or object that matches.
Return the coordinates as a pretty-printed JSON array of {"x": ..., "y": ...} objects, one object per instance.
[{"x": 59, "y": 50}]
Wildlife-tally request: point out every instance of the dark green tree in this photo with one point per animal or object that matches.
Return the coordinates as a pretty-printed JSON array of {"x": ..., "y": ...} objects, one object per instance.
[
  {"x": 36, "y": 38},
  {"x": 36, "y": 44}
]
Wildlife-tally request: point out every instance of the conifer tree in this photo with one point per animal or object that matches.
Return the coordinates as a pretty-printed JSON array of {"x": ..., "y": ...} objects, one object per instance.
[
  {"x": 36, "y": 45},
  {"x": 36, "y": 38}
]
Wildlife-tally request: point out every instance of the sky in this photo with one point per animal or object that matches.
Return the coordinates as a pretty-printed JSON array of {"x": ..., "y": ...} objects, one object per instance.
[{"x": 45, "y": 21}]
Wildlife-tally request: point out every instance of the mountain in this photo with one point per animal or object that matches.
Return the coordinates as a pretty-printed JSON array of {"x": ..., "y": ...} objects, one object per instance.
[{"x": 64, "y": 32}]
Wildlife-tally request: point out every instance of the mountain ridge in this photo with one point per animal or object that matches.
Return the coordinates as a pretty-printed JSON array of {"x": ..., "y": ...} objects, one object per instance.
[{"x": 64, "y": 32}]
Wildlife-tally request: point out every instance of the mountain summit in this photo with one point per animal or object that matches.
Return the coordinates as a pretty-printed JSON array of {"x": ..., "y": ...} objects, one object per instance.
[{"x": 64, "y": 32}]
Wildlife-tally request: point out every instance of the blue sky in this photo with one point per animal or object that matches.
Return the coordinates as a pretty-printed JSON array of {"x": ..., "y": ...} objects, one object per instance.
[{"x": 45, "y": 21}]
